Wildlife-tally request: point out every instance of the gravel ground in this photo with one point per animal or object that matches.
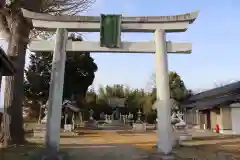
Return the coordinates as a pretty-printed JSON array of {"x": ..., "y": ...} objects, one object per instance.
[{"x": 95, "y": 145}]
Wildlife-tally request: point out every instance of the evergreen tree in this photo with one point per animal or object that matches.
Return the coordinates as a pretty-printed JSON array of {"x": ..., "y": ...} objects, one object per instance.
[
  {"x": 79, "y": 74},
  {"x": 178, "y": 90}
]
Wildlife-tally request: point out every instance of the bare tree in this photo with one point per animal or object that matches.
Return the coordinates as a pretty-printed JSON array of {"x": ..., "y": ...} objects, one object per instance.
[{"x": 16, "y": 29}]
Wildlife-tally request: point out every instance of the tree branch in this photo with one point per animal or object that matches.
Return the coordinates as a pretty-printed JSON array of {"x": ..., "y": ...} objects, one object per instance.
[{"x": 4, "y": 27}]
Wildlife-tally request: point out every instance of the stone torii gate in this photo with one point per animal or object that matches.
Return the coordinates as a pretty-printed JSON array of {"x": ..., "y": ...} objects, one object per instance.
[{"x": 159, "y": 25}]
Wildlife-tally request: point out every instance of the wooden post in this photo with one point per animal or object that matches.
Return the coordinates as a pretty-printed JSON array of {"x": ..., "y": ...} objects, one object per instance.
[
  {"x": 73, "y": 121},
  {"x": 56, "y": 92}
]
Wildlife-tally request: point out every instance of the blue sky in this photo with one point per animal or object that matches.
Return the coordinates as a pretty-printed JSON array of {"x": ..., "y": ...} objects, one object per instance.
[{"x": 214, "y": 35}]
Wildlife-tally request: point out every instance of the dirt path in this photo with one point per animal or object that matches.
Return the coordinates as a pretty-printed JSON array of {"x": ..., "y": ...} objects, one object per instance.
[
  {"x": 107, "y": 146},
  {"x": 111, "y": 145},
  {"x": 108, "y": 152},
  {"x": 96, "y": 145}
]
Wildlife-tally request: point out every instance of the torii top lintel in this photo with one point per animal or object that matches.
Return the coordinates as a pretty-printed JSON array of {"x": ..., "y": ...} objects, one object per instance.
[{"x": 176, "y": 23}]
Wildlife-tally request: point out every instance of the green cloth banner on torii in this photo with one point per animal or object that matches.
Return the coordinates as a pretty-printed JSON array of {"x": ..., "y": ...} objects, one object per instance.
[{"x": 110, "y": 31}]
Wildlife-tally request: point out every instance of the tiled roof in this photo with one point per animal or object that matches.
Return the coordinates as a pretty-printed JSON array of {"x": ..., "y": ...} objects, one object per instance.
[
  {"x": 209, "y": 103},
  {"x": 218, "y": 96},
  {"x": 216, "y": 91}
]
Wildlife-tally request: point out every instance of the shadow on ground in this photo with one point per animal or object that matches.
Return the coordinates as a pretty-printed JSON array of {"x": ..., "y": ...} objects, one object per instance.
[
  {"x": 128, "y": 151},
  {"x": 226, "y": 147},
  {"x": 219, "y": 137},
  {"x": 82, "y": 134},
  {"x": 119, "y": 145},
  {"x": 130, "y": 132},
  {"x": 76, "y": 152}
]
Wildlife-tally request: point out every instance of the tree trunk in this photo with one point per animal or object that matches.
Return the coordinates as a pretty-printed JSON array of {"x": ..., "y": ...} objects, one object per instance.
[
  {"x": 40, "y": 114},
  {"x": 14, "y": 89}
]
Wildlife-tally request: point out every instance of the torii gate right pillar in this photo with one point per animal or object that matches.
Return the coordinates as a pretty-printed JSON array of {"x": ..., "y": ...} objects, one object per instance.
[{"x": 165, "y": 135}]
